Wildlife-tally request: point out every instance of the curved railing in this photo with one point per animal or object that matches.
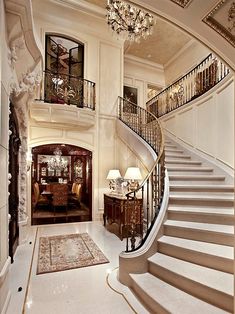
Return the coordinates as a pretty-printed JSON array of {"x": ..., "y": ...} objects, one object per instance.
[
  {"x": 190, "y": 86},
  {"x": 69, "y": 89},
  {"x": 143, "y": 204}
]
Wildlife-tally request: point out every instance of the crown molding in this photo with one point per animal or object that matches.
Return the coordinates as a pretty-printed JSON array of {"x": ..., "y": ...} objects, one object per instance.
[
  {"x": 82, "y": 6},
  {"x": 180, "y": 52},
  {"x": 143, "y": 62}
]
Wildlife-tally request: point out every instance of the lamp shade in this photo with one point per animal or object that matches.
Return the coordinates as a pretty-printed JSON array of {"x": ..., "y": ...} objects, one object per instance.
[
  {"x": 133, "y": 173},
  {"x": 113, "y": 174}
]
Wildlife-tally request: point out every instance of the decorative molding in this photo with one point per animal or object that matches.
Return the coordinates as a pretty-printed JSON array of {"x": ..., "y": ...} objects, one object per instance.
[
  {"x": 83, "y": 6},
  {"x": 222, "y": 19},
  {"x": 180, "y": 52},
  {"x": 146, "y": 63},
  {"x": 182, "y": 3},
  {"x": 15, "y": 46},
  {"x": 23, "y": 10},
  {"x": 28, "y": 84}
]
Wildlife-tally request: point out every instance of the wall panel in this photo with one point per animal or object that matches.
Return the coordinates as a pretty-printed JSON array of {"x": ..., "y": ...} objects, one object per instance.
[
  {"x": 207, "y": 123},
  {"x": 206, "y": 126},
  {"x": 110, "y": 78},
  {"x": 224, "y": 136}
]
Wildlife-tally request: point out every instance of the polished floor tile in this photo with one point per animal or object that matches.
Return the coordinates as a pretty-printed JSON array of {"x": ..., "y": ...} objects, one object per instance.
[{"x": 81, "y": 290}]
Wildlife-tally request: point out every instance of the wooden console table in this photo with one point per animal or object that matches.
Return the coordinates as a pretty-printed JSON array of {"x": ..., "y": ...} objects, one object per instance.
[{"x": 117, "y": 210}]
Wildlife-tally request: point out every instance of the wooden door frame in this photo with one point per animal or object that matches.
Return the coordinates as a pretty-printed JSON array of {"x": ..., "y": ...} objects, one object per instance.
[{"x": 13, "y": 200}]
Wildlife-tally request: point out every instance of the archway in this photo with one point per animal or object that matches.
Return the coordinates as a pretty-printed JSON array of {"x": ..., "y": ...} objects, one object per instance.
[{"x": 61, "y": 184}]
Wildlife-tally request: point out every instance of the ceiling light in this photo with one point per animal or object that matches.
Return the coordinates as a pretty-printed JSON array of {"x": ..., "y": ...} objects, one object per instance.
[
  {"x": 57, "y": 162},
  {"x": 129, "y": 21}
]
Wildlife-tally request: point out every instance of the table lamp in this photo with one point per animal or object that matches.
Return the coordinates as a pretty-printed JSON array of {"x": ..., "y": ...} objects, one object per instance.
[
  {"x": 112, "y": 176},
  {"x": 133, "y": 176}
]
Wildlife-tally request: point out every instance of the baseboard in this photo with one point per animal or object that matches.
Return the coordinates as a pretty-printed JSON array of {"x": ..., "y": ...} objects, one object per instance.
[
  {"x": 4, "y": 285},
  {"x": 7, "y": 301},
  {"x": 211, "y": 159}
]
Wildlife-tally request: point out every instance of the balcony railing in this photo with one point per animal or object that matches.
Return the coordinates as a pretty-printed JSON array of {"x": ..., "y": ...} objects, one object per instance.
[
  {"x": 192, "y": 85},
  {"x": 146, "y": 125},
  {"x": 68, "y": 89}
]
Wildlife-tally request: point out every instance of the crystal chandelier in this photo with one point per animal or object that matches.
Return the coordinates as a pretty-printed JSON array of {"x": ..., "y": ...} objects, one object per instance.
[
  {"x": 129, "y": 21},
  {"x": 57, "y": 162}
]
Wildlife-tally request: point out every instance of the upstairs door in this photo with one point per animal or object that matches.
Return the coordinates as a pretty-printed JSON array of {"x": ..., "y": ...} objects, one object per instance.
[
  {"x": 14, "y": 145},
  {"x": 76, "y": 73}
]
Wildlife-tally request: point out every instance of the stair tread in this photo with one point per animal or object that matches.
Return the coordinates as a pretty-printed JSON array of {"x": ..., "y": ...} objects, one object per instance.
[
  {"x": 171, "y": 298},
  {"x": 203, "y": 247},
  {"x": 170, "y": 146},
  {"x": 171, "y": 154},
  {"x": 205, "y": 186},
  {"x": 197, "y": 176},
  {"x": 186, "y": 169},
  {"x": 173, "y": 150},
  {"x": 204, "y": 210},
  {"x": 184, "y": 162},
  {"x": 212, "y": 278},
  {"x": 198, "y": 196},
  {"x": 228, "y": 229}
]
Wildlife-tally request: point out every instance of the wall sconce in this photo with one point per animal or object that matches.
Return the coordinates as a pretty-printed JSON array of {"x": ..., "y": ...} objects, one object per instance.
[
  {"x": 133, "y": 176},
  {"x": 112, "y": 176}
]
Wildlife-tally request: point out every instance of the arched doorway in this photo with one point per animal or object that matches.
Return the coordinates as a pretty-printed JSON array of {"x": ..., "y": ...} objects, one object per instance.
[
  {"x": 61, "y": 184},
  {"x": 14, "y": 145}
]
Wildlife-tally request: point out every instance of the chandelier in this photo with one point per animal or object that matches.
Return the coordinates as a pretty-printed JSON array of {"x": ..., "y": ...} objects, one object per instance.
[
  {"x": 128, "y": 20},
  {"x": 57, "y": 162}
]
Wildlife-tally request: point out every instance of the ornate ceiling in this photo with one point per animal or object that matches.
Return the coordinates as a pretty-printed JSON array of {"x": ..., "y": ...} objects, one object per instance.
[
  {"x": 222, "y": 19},
  {"x": 161, "y": 46}
]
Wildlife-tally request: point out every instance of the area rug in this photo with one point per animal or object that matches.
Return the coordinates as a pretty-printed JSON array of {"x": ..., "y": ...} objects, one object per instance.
[{"x": 65, "y": 252}]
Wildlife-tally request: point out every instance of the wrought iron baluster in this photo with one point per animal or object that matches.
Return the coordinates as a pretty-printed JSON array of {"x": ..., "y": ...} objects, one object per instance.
[
  {"x": 196, "y": 82},
  {"x": 145, "y": 124}
]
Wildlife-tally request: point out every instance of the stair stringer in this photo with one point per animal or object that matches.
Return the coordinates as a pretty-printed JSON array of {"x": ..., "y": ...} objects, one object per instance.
[
  {"x": 137, "y": 261},
  {"x": 218, "y": 166},
  {"x": 136, "y": 144}
]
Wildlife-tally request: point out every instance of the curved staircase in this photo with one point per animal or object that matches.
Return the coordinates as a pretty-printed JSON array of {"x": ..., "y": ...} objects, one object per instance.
[{"x": 192, "y": 270}]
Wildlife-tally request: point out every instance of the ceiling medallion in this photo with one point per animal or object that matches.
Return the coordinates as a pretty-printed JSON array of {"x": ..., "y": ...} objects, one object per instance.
[
  {"x": 129, "y": 21},
  {"x": 182, "y": 3},
  {"x": 215, "y": 19}
]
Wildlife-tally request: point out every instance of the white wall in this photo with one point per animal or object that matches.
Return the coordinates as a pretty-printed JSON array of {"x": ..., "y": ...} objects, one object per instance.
[
  {"x": 186, "y": 59},
  {"x": 104, "y": 66},
  {"x": 139, "y": 73},
  {"x": 4, "y": 117},
  {"x": 207, "y": 124}
]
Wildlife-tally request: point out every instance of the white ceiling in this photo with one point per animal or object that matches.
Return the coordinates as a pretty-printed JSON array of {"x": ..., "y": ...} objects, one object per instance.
[{"x": 161, "y": 46}]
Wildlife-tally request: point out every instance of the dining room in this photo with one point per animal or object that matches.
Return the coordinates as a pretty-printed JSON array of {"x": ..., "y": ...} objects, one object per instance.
[{"x": 61, "y": 177}]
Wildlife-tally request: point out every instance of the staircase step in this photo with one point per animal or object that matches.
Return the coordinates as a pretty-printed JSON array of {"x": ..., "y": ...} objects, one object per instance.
[
  {"x": 212, "y": 255},
  {"x": 212, "y": 233},
  {"x": 183, "y": 162},
  {"x": 207, "y": 214},
  {"x": 173, "y": 150},
  {"x": 160, "y": 297},
  {"x": 170, "y": 146},
  {"x": 178, "y": 156},
  {"x": 168, "y": 142},
  {"x": 194, "y": 177},
  {"x": 208, "y": 284},
  {"x": 189, "y": 169},
  {"x": 201, "y": 188},
  {"x": 203, "y": 209},
  {"x": 200, "y": 199}
]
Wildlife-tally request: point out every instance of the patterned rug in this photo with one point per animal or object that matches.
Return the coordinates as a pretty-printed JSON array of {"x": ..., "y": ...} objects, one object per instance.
[{"x": 65, "y": 252}]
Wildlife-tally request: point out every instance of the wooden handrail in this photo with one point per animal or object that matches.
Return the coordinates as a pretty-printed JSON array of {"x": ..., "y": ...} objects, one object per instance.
[{"x": 146, "y": 125}]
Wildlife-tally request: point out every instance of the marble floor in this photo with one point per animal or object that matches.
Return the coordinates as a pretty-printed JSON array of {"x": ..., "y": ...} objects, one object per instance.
[{"x": 81, "y": 290}]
